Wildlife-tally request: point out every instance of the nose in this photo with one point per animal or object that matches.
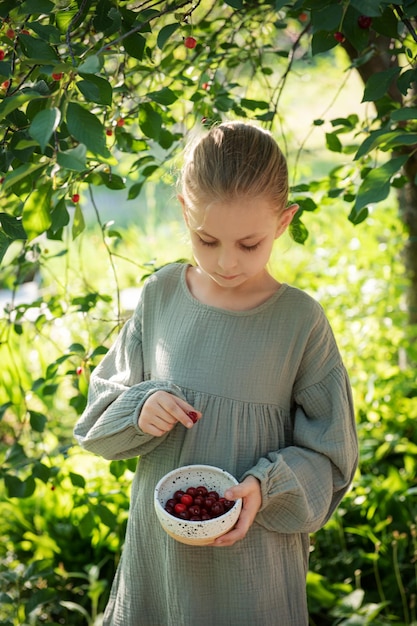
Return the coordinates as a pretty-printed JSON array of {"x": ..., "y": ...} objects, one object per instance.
[{"x": 227, "y": 259}]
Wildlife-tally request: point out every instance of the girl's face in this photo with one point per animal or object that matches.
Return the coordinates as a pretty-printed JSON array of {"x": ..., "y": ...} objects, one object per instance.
[{"x": 232, "y": 241}]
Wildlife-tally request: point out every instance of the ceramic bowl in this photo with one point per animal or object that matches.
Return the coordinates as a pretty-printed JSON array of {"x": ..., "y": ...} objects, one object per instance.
[{"x": 197, "y": 533}]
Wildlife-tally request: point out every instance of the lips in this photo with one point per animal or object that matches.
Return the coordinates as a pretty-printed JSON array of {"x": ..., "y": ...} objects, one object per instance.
[{"x": 228, "y": 277}]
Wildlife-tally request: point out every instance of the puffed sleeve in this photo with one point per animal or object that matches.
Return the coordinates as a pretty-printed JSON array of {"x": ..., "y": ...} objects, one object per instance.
[
  {"x": 303, "y": 483},
  {"x": 109, "y": 425}
]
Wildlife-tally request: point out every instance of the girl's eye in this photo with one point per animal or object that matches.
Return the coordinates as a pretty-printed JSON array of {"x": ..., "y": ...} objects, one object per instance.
[
  {"x": 207, "y": 243},
  {"x": 251, "y": 248}
]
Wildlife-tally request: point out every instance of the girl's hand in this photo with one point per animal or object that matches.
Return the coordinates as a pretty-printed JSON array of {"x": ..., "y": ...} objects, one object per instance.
[
  {"x": 162, "y": 410},
  {"x": 250, "y": 491}
]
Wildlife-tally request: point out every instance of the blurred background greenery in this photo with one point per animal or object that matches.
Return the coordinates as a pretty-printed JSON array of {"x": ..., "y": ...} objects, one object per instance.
[{"x": 63, "y": 511}]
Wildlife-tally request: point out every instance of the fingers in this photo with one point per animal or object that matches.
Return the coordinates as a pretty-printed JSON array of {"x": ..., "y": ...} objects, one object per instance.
[
  {"x": 250, "y": 492},
  {"x": 162, "y": 411}
]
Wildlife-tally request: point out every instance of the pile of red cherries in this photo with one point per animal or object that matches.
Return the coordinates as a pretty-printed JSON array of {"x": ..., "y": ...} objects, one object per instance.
[{"x": 197, "y": 504}]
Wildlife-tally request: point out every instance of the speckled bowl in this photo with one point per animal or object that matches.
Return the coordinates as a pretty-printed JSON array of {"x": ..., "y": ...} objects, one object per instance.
[{"x": 192, "y": 532}]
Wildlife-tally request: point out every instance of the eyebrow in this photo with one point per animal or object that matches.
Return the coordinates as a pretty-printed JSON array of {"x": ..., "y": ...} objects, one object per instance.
[{"x": 201, "y": 231}]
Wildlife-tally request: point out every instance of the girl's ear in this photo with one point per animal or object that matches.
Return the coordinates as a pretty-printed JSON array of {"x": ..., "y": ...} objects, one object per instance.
[
  {"x": 286, "y": 219},
  {"x": 184, "y": 210}
]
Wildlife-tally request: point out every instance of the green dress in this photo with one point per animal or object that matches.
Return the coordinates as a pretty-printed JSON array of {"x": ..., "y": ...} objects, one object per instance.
[{"x": 276, "y": 404}]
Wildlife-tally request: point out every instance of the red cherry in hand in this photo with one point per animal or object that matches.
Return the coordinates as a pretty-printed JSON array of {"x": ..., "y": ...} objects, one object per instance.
[{"x": 193, "y": 416}]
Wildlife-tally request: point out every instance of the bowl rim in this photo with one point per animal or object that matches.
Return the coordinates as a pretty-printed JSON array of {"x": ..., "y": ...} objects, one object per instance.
[{"x": 197, "y": 466}]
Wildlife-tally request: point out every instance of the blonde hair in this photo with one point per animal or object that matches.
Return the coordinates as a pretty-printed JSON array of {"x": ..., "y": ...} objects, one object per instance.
[{"x": 234, "y": 159}]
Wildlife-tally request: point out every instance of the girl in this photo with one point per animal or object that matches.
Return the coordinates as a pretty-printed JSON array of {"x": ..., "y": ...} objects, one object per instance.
[{"x": 256, "y": 360}]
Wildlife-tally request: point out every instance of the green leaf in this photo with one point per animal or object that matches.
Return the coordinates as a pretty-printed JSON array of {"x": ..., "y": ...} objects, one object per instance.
[
  {"x": 372, "y": 141},
  {"x": 298, "y": 230},
  {"x": 77, "y": 480},
  {"x": 406, "y": 80},
  {"x": 107, "y": 517},
  {"x": 333, "y": 142},
  {"x": 367, "y": 7},
  {"x": 357, "y": 37},
  {"x": 117, "y": 468},
  {"x": 4, "y": 245},
  {"x": 165, "y": 33},
  {"x": 6, "y": 69},
  {"x": 20, "y": 173},
  {"x": 78, "y": 224},
  {"x": 96, "y": 89},
  {"x": 150, "y": 121},
  {"x": 377, "y": 184},
  {"x": 87, "y": 129},
  {"x": 164, "y": 96},
  {"x": 91, "y": 65},
  {"x": 78, "y": 348},
  {"x": 16, "y": 488},
  {"x": 396, "y": 139},
  {"x": 43, "y": 125},
  {"x": 135, "y": 190},
  {"x": 41, "y": 471},
  {"x": 135, "y": 45},
  {"x": 36, "y": 7},
  {"x": 112, "y": 181},
  {"x": 357, "y": 217},
  {"x": 47, "y": 32},
  {"x": 403, "y": 114},
  {"x": 12, "y": 103},
  {"x": 378, "y": 84},
  {"x": 252, "y": 105},
  {"x": 37, "y": 50},
  {"x": 327, "y": 19},
  {"x": 235, "y": 4},
  {"x": 73, "y": 159},
  {"x": 86, "y": 525},
  {"x": 36, "y": 211},
  {"x": 322, "y": 41},
  {"x": 38, "y": 421},
  {"x": 12, "y": 226}
]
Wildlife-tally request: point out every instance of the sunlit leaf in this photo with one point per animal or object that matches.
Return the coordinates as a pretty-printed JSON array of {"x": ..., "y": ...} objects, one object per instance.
[
  {"x": 14, "y": 102},
  {"x": 78, "y": 224},
  {"x": 376, "y": 186},
  {"x": 36, "y": 211}
]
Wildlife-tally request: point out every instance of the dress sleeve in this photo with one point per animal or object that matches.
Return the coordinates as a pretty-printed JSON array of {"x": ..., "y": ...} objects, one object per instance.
[
  {"x": 302, "y": 484},
  {"x": 109, "y": 425}
]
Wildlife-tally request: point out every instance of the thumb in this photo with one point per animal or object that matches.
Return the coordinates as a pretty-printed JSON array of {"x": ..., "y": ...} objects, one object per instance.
[
  {"x": 234, "y": 493},
  {"x": 247, "y": 487}
]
